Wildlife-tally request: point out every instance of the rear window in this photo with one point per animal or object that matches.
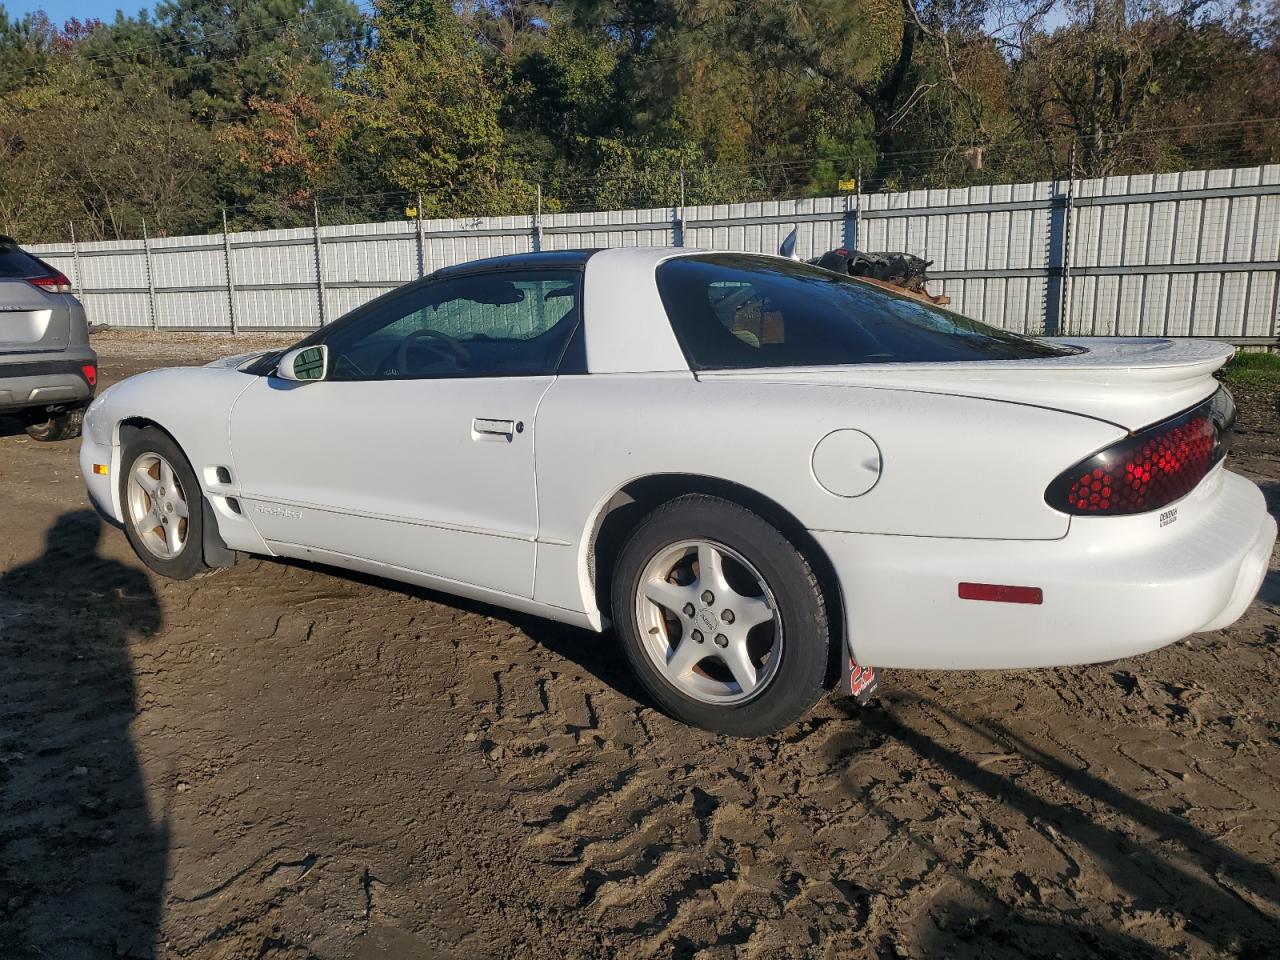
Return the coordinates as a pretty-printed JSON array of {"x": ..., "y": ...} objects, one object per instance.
[
  {"x": 737, "y": 310},
  {"x": 16, "y": 263}
]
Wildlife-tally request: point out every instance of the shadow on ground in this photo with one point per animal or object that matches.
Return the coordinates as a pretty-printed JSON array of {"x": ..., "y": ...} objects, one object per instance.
[
  {"x": 82, "y": 862},
  {"x": 1160, "y": 861},
  {"x": 11, "y": 427}
]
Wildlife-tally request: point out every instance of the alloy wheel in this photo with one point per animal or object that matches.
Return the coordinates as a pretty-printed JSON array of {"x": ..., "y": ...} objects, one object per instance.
[
  {"x": 158, "y": 506},
  {"x": 709, "y": 622}
]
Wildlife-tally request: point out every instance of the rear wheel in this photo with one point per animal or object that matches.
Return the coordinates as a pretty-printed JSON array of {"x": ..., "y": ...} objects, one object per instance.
[
  {"x": 163, "y": 506},
  {"x": 721, "y": 617},
  {"x": 49, "y": 427}
]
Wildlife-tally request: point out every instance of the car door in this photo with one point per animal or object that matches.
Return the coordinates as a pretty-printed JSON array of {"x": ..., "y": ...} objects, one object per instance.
[{"x": 417, "y": 449}]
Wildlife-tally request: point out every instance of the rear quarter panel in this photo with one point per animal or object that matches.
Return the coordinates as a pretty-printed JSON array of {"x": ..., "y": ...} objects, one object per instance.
[{"x": 950, "y": 466}]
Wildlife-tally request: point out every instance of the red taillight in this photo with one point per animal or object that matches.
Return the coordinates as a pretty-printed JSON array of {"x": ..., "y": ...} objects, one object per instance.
[
  {"x": 90, "y": 374},
  {"x": 1149, "y": 469},
  {"x": 53, "y": 282},
  {"x": 1143, "y": 477}
]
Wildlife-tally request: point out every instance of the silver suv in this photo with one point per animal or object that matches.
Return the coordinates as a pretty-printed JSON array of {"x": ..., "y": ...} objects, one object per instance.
[{"x": 47, "y": 369}]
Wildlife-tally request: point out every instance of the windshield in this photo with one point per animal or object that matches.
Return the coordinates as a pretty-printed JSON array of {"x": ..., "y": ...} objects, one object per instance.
[{"x": 738, "y": 310}]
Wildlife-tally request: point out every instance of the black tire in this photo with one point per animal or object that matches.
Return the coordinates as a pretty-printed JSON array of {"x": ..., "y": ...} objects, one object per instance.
[
  {"x": 58, "y": 426},
  {"x": 190, "y": 561},
  {"x": 799, "y": 679}
]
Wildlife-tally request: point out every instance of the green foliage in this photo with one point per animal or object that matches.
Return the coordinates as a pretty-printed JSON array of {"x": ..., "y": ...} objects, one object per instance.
[
  {"x": 100, "y": 170},
  {"x": 23, "y": 50},
  {"x": 274, "y": 108},
  {"x": 427, "y": 109},
  {"x": 562, "y": 96},
  {"x": 224, "y": 53},
  {"x": 1254, "y": 371},
  {"x": 294, "y": 146},
  {"x": 650, "y": 176}
]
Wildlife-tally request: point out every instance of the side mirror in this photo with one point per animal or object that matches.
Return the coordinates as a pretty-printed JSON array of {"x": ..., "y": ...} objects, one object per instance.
[
  {"x": 305, "y": 363},
  {"x": 788, "y": 248}
]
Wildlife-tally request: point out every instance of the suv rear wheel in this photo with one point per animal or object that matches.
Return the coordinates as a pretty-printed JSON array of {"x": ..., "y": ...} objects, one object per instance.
[{"x": 48, "y": 427}]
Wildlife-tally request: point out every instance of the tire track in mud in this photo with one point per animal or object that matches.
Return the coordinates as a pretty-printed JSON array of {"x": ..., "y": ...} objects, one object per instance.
[
  {"x": 679, "y": 842},
  {"x": 660, "y": 839}
]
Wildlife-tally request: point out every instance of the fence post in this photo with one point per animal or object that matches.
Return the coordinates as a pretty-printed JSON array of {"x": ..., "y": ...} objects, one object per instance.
[
  {"x": 1057, "y": 305},
  {"x": 422, "y": 240},
  {"x": 537, "y": 223},
  {"x": 852, "y": 209},
  {"x": 677, "y": 219},
  {"x": 231, "y": 280},
  {"x": 315, "y": 208},
  {"x": 1064, "y": 311},
  {"x": 151, "y": 285},
  {"x": 75, "y": 260},
  {"x": 853, "y": 213}
]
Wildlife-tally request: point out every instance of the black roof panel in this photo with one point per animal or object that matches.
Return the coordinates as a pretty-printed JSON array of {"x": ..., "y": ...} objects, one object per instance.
[{"x": 553, "y": 259}]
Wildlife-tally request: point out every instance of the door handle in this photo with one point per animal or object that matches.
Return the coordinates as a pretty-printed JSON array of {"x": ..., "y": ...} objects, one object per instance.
[{"x": 484, "y": 428}]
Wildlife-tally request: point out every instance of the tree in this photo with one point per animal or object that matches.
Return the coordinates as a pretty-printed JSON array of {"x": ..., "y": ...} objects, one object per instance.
[
  {"x": 133, "y": 154},
  {"x": 1115, "y": 72},
  {"x": 24, "y": 48},
  {"x": 290, "y": 150},
  {"x": 224, "y": 53},
  {"x": 427, "y": 109},
  {"x": 561, "y": 98},
  {"x": 268, "y": 106}
]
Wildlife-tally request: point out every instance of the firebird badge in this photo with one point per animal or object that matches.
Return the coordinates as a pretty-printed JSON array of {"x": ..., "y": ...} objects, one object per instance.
[{"x": 275, "y": 510}]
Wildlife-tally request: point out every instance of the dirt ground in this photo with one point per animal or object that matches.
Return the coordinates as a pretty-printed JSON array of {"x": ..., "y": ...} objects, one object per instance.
[{"x": 282, "y": 761}]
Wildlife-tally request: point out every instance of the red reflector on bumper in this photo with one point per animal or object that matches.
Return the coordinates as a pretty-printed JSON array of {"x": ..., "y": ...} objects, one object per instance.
[
  {"x": 90, "y": 374},
  {"x": 999, "y": 593}
]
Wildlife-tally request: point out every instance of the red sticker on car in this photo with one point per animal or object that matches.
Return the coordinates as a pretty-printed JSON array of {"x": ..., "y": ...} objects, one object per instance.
[{"x": 862, "y": 682}]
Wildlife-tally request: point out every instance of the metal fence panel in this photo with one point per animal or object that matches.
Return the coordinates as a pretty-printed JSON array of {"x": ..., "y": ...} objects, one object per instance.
[
  {"x": 278, "y": 309},
  {"x": 1183, "y": 254},
  {"x": 1190, "y": 254},
  {"x": 653, "y": 227}
]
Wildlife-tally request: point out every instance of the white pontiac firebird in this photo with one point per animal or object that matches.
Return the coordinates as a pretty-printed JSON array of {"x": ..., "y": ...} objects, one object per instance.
[{"x": 767, "y": 476}]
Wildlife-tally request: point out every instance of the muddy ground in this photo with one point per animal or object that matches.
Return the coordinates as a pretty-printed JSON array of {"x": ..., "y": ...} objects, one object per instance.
[{"x": 281, "y": 761}]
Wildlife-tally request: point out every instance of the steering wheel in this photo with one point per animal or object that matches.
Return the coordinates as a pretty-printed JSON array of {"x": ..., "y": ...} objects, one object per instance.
[{"x": 441, "y": 343}]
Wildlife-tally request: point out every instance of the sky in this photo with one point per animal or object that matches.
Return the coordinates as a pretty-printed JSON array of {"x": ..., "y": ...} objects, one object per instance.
[{"x": 60, "y": 11}]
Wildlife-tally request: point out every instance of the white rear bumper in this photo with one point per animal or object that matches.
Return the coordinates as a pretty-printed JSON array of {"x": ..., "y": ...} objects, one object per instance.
[{"x": 1113, "y": 587}]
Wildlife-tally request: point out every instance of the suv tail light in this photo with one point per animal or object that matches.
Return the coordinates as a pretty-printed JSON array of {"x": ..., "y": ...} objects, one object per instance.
[
  {"x": 53, "y": 282},
  {"x": 1150, "y": 468}
]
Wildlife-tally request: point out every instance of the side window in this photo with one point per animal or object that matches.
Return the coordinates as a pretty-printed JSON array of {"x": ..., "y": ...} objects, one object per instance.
[
  {"x": 508, "y": 324},
  {"x": 743, "y": 311}
]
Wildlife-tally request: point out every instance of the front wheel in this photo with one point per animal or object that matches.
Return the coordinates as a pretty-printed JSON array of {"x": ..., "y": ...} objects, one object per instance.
[
  {"x": 163, "y": 505},
  {"x": 721, "y": 617}
]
